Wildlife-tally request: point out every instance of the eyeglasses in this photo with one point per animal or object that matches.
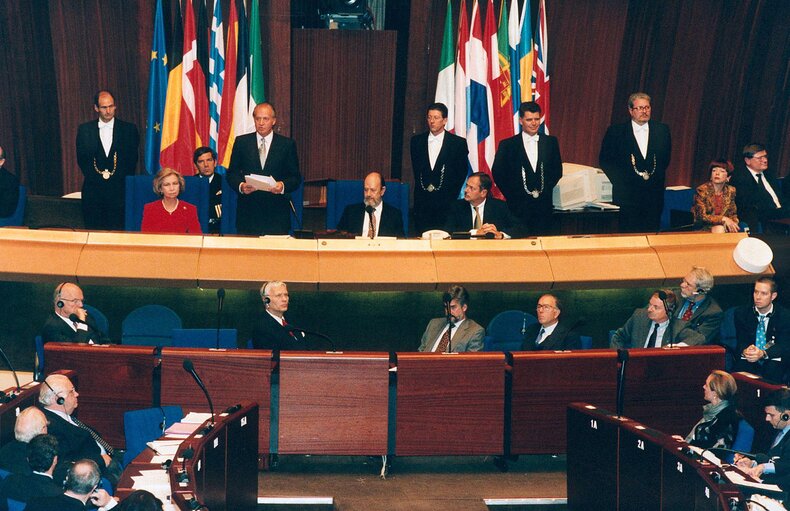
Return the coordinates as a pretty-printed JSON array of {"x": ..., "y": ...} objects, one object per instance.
[
  {"x": 542, "y": 307},
  {"x": 641, "y": 108},
  {"x": 762, "y": 157},
  {"x": 73, "y": 300}
]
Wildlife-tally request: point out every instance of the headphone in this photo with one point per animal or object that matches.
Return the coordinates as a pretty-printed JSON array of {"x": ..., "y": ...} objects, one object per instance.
[
  {"x": 266, "y": 299},
  {"x": 785, "y": 416},
  {"x": 700, "y": 291},
  {"x": 60, "y": 400},
  {"x": 59, "y": 304},
  {"x": 667, "y": 307}
]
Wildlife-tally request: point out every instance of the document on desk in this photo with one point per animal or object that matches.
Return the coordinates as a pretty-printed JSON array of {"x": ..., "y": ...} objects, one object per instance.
[
  {"x": 196, "y": 418},
  {"x": 739, "y": 479},
  {"x": 154, "y": 481},
  {"x": 164, "y": 447},
  {"x": 182, "y": 429}
]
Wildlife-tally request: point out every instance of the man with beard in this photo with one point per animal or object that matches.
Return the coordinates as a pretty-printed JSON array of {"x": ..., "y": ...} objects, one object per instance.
[{"x": 372, "y": 217}]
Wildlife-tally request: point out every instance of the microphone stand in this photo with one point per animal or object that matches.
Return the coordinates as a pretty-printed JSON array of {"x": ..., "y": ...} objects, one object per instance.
[
  {"x": 220, "y": 303},
  {"x": 16, "y": 378},
  {"x": 449, "y": 327},
  {"x": 622, "y": 358}
]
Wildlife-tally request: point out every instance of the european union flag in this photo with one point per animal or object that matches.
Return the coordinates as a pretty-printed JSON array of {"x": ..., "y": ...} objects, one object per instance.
[{"x": 157, "y": 93}]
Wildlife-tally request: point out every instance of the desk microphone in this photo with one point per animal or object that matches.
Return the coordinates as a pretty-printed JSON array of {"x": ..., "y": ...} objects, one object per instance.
[
  {"x": 622, "y": 358},
  {"x": 92, "y": 328},
  {"x": 190, "y": 368},
  {"x": 187, "y": 454},
  {"x": 220, "y": 303},
  {"x": 304, "y": 333},
  {"x": 16, "y": 378}
]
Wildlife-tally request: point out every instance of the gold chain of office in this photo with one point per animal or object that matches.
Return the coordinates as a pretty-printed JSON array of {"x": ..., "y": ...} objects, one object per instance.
[
  {"x": 106, "y": 173},
  {"x": 535, "y": 193},
  {"x": 430, "y": 187},
  {"x": 643, "y": 173}
]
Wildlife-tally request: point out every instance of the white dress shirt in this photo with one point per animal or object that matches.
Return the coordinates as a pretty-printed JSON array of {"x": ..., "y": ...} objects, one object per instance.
[
  {"x": 452, "y": 334},
  {"x": 434, "y": 147},
  {"x": 531, "y": 147},
  {"x": 105, "y": 134},
  {"x": 366, "y": 220},
  {"x": 641, "y": 134}
]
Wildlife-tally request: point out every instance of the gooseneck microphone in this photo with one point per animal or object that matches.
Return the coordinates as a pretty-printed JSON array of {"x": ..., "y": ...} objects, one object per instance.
[
  {"x": 93, "y": 330},
  {"x": 16, "y": 378},
  {"x": 304, "y": 333},
  {"x": 622, "y": 357},
  {"x": 220, "y": 303},
  {"x": 190, "y": 368}
]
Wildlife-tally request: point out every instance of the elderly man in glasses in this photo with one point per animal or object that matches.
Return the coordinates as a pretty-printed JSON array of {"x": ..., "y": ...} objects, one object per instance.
[
  {"x": 550, "y": 332},
  {"x": 69, "y": 321}
]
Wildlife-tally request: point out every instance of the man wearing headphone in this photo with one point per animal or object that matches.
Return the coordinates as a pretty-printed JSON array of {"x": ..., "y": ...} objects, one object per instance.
[
  {"x": 69, "y": 322},
  {"x": 271, "y": 332},
  {"x": 699, "y": 309},
  {"x": 762, "y": 333},
  {"x": 773, "y": 467},
  {"x": 58, "y": 399},
  {"x": 81, "y": 486},
  {"x": 656, "y": 326}
]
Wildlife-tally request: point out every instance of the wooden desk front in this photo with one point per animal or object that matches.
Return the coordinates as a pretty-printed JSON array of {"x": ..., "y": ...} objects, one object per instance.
[
  {"x": 450, "y": 404},
  {"x": 333, "y": 403}
]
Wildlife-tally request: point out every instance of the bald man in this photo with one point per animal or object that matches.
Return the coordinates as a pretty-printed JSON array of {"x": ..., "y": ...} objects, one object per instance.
[
  {"x": 30, "y": 423},
  {"x": 372, "y": 217},
  {"x": 69, "y": 321}
]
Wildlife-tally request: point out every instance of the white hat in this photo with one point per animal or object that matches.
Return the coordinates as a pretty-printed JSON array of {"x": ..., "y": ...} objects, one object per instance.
[{"x": 753, "y": 255}]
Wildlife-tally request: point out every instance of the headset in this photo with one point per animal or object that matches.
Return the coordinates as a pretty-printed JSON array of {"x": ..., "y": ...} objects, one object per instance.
[
  {"x": 59, "y": 303},
  {"x": 60, "y": 400},
  {"x": 785, "y": 416},
  {"x": 266, "y": 299},
  {"x": 669, "y": 308}
]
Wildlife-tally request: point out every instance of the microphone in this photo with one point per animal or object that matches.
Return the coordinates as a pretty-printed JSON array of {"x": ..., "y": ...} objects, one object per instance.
[
  {"x": 92, "y": 328},
  {"x": 305, "y": 333},
  {"x": 187, "y": 454},
  {"x": 622, "y": 358},
  {"x": 16, "y": 378},
  {"x": 190, "y": 368},
  {"x": 220, "y": 303},
  {"x": 369, "y": 209}
]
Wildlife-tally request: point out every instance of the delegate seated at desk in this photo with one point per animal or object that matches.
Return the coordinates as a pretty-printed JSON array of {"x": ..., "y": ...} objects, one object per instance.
[
  {"x": 81, "y": 485},
  {"x": 30, "y": 423},
  {"x": 773, "y": 467},
  {"x": 656, "y": 326},
  {"x": 720, "y": 418},
  {"x": 479, "y": 213},
  {"x": 69, "y": 322},
  {"x": 465, "y": 335},
  {"x": 271, "y": 332},
  {"x": 550, "y": 332},
  {"x": 372, "y": 217},
  {"x": 42, "y": 457}
]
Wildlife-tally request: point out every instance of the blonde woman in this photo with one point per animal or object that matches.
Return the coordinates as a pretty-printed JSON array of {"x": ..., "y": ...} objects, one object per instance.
[{"x": 169, "y": 214}]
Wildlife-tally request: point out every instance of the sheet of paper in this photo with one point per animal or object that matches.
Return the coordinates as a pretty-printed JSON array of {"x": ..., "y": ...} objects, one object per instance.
[
  {"x": 260, "y": 182},
  {"x": 196, "y": 417}
]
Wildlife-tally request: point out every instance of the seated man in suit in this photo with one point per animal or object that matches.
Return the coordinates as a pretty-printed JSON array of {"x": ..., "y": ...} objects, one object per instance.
[
  {"x": 372, "y": 217},
  {"x": 271, "y": 331},
  {"x": 69, "y": 322},
  {"x": 58, "y": 400},
  {"x": 773, "y": 467},
  {"x": 30, "y": 423},
  {"x": 550, "y": 332},
  {"x": 205, "y": 160},
  {"x": 656, "y": 326},
  {"x": 81, "y": 485},
  {"x": 699, "y": 309},
  {"x": 480, "y": 214},
  {"x": 762, "y": 333},
  {"x": 454, "y": 332},
  {"x": 42, "y": 455},
  {"x": 758, "y": 195}
]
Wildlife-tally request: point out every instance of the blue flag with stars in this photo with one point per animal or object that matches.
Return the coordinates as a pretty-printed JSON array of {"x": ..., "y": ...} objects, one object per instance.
[{"x": 157, "y": 93}]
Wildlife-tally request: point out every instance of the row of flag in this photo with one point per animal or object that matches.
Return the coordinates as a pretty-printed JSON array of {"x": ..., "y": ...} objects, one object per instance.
[
  {"x": 203, "y": 91},
  {"x": 493, "y": 68}
]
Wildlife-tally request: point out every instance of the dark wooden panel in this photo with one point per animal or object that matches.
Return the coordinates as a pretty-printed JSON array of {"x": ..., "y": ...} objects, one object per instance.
[
  {"x": 543, "y": 385},
  {"x": 450, "y": 404},
  {"x": 230, "y": 376},
  {"x": 343, "y": 83},
  {"x": 112, "y": 380},
  {"x": 751, "y": 396},
  {"x": 333, "y": 403},
  {"x": 664, "y": 386},
  {"x": 639, "y": 468}
]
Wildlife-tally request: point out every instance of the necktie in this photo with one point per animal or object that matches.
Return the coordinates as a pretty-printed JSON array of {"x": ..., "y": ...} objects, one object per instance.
[
  {"x": 759, "y": 338},
  {"x": 778, "y": 438},
  {"x": 760, "y": 180},
  {"x": 478, "y": 221},
  {"x": 651, "y": 341},
  {"x": 99, "y": 440},
  {"x": 262, "y": 152},
  {"x": 443, "y": 342},
  {"x": 540, "y": 336},
  {"x": 371, "y": 225},
  {"x": 688, "y": 312}
]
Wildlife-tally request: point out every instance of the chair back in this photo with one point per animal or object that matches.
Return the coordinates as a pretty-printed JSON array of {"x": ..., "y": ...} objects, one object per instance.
[
  {"x": 587, "y": 341},
  {"x": 4, "y": 473},
  {"x": 38, "y": 365},
  {"x": 743, "y": 439},
  {"x": 139, "y": 192},
  {"x": 230, "y": 200},
  {"x": 343, "y": 192},
  {"x": 505, "y": 332},
  {"x": 204, "y": 337},
  {"x": 17, "y": 218},
  {"x": 15, "y": 505},
  {"x": 150, "y": 325},
  {"x": 102, "y": 323},
  {"x": 142, "y": 426}
]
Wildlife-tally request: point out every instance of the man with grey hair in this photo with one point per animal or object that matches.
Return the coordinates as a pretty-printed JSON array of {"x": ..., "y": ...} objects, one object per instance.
[
  {"x": 81, "y": 486},
  {"x": 270, "y": 331},
  {"x": 635, "y": 156},
  {"x": 698, "y": 309},
  {"x": 551, "y": 332},
  {"x": 30, "y": 423},
  {"x": 9, "y": 189}
]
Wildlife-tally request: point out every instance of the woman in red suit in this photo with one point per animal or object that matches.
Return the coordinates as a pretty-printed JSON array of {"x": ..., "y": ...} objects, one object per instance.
[
  {"x": 170, "y": 215},
  {"x": 714, "y": 203}
]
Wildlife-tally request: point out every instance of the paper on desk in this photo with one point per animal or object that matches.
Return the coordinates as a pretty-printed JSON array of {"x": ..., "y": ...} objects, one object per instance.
[
  {"x": 164, "y": 447},
  {"x": 737, "y": 478},
  {"x": 260, "y": 182},
  {"x": 196, "y": 417},
  {"x": 705, "y": 454},
  {"x": 155, "y": 481},
  {"x": 182, "y": 429}
]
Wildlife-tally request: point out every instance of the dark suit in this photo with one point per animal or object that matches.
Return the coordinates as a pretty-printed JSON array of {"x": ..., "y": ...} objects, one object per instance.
[
  {"x": 268, "y": 334},
  {"x": 468, "y": 337},
  {"x": 781, "y": 453},
  {"x": 13, "y": 457},
  {"x": 103, "y": 200},
  {"x": 706, "y": 319},
  {"x": 641, "y": 201},
  {"x": 495, "y": 212},
  {"x": 60, "y": 503},
  {"x": 753, "y": 202},
  {"x": 777, "y": 330},
  {"x": 635, "y": 331},
  {"x": 564, "y": 337},
  {"x": 74, "y": 443},
  {"x": 352, "y": 219},
  {"x": 262, "y": 212},
  {"x": 215, "y": 202},
  {"x": 511, "y": 158},
  {"x": 56, "y": 330},
  {"x": 436, "y": 188},
  {"x": 9, "y": 193},
  {"x": 27, "y": 487}
]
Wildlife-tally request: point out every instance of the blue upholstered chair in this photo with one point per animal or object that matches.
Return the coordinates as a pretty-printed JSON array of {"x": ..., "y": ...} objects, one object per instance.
[
  {"x": 505, "y": 331},
  {"x": 139, "y": 192},
  {"x": 341, "y": 193},
  {"x": 4, "y": 474},
  {"x": 743, "y": 440},
  {"x": 38, "y": 366},
  {"x": 102, "y": 323},
  {"x": 16, "y": 505},
  {"x": 204, "y": 337},
  {"x": 150, "y": 325},
  {"x": 142, "y": 426},
  {"x": 18, "y": 217},
  {"x": 587, "y": 341},
  {"x": 681, "y": 200}
]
